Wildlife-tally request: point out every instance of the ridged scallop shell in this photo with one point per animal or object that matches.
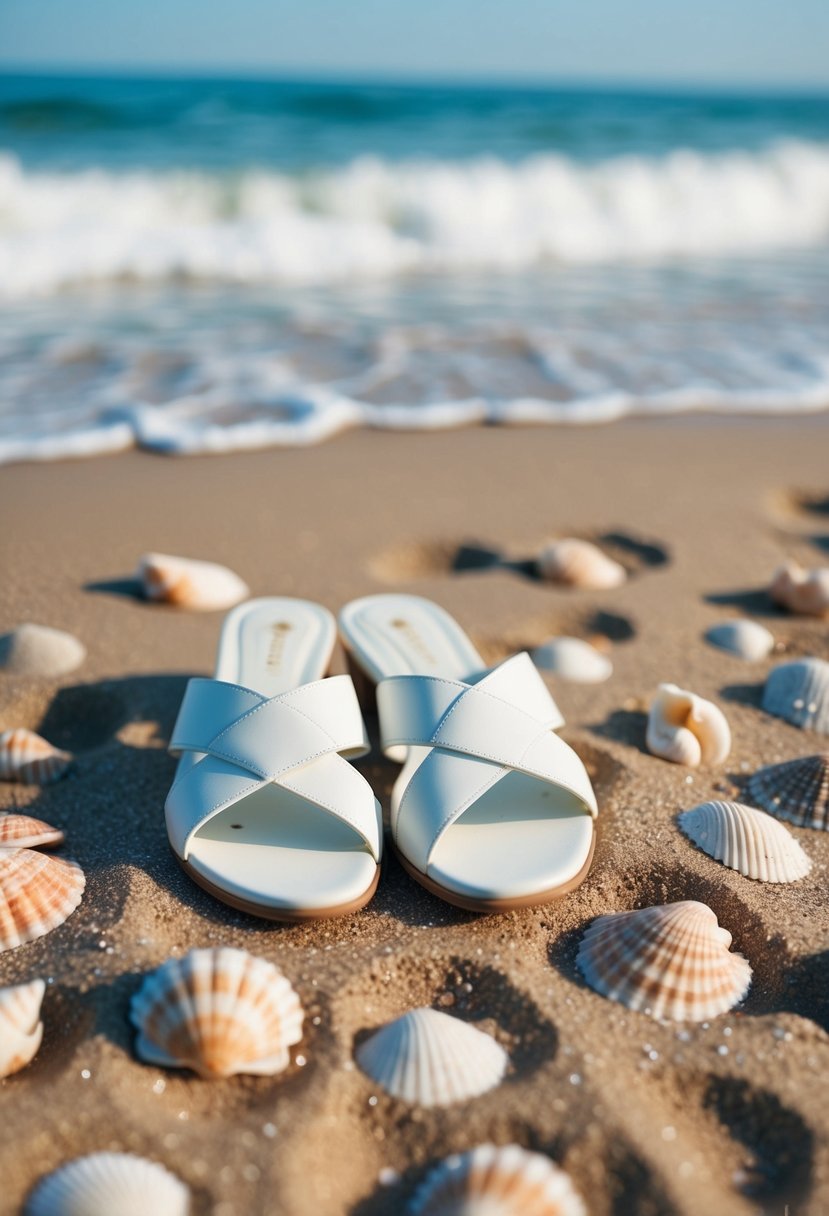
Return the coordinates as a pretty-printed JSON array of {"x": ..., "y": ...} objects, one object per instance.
[
  {"x": 24, "y": 832},
  {"x": 21, "y": 1029},
  {"x": 109, "y": 1184},
  {"x": 746, "y": 639},
  {"x": 574, "y": 660},
  {"x": 687, "y": 729},
  {"x": 492, "y": 1181},
  {"x": 200, "y": 586},
  {"x": 805, "y": 592},
  {"x": 578, "y": 563},
  {"x": 746, "y": 840},
  {"x": 39, "y": 650},
  {"x": 218, "y": 1012},
  {"x": 37, "y": 893},
  {"x": 797, "y": 790},
  {"x": 671, "y": 961},
  {"x": 799, "y": 693},
  {"x": 428, "y": 1058},
  {"x": 27, "y": 758}
]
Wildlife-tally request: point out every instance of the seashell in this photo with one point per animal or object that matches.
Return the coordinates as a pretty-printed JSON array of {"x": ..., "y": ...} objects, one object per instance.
[
  {"x": 805, "y": 592},
  {"x": 687, "y": 729},
  {"x": 492, "y": 1181},
  {"x": 671, "y": 961},
  {"x": 21, "y": 1029},
  {"x": 746, "y": 840},
  {"x": 26, "y": 757},
  {"x": 38, "y": 650},
  {"x": 574, "y": 660},
  {"x": 746, "y": 639},
  {"x": 799, "y": 693},
  {"x": 200, "y": 586},
  {"x": 23, "y": 832},
  {"x": 219, "y": 1012},
  {"x": 37, "y": 893},
  {"x": 578, "y": 563},
  {"x": 797, "y": 790},
  {"x": 109, "y": 1184},
  {"x": 431, "y": 1059}
]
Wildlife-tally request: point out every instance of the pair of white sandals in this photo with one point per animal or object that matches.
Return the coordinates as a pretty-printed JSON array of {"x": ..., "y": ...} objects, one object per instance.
[{"x": 491, "y": 811}]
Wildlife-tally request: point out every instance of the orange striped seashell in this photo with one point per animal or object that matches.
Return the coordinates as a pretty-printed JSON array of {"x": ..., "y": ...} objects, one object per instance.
[
  {"x": 24, "y": 832},
  {"x": 492, "y": 1181},
  {"x": 29, "y": 759},
  {"x": 21, "y": 1029},
  {"x": 37, "y": 893},
  {"x": 187, "y": 583}
]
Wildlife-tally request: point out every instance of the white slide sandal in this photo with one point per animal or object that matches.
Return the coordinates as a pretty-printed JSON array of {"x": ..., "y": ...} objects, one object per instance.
[
  {"x": 265, "y": 811},
  {"x": 492, "y": 810}
]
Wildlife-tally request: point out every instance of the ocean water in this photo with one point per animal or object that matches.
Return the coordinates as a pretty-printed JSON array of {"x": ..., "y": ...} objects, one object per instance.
[{"x": 212, "y": 265}]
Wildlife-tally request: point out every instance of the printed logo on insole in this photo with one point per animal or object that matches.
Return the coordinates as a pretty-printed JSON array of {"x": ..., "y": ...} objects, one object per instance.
[
  {"x": 414, "y": 640},
  {"x": 278, "y": 641}
]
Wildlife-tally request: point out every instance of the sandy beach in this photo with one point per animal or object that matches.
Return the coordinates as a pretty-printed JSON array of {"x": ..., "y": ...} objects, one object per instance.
[{"x": 650, "y": 1119}]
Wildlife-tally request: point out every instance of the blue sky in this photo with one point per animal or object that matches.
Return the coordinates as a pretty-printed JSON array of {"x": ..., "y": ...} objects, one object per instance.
[{"x": 714, "y": 42}]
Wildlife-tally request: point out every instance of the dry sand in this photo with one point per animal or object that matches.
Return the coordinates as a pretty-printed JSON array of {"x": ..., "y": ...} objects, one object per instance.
[{"x": 727, "y": 1119}]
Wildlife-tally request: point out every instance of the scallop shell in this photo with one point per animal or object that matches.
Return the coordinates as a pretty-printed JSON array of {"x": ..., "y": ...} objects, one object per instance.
[
  {"x": 746, "y": 840},
  {"x": 109, "y": 1184},
  {"x": 492, "y": 1181},
  {"x": 687, "y": 729},
  {"x": 219, "y": 1012},
  {"x": 578, "y": 563},
  {"x": 26, "y": 757},
  {"x": 671, "y": 961},
  {"x": 23, "y": 832},
  {"x": 37, "y": 893},
  {"x": 200, "y": 586},
  {"x": 799, "y": 693},
  {"x": 21, "y": 1029},
  {"x": 431, "y": 1059},
  {"x": 574, "y": 660},
  {"x": 38, "y": 650},
  {"x": 805, "y": 592},
  {"x": 746, "y": 639},
  {"x": 797, "y": 790}
]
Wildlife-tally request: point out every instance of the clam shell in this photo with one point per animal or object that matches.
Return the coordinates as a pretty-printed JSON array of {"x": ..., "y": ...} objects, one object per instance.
[
  {"x": 109, "y": 1184},
  {"x": 672, "y": 961},
  {"x": 431, "y": 1059},
  {"x": 799, "y": 693},
  {"x": 26, "y": 757},
  {"x": 805, "y": 592},
  {"x": 746, "y": 639},
  {"x": 687, "y": 729},
  {"x": 578, "y": 563},
  {"x": 37, "y": 893},
  {"x": 38, "y": 650},
  {"x": 746, "y": 840},
  {"x": 492, "y": 1181},
  {"x": 21, "y": 1029},
  {"x": 23, "y": 832},
  {"x": 200, "y": 586},
  {"x": 218, "y": 1012},
  {"x": 574, "y": 660},
  {"x": 797, "y": 790}
]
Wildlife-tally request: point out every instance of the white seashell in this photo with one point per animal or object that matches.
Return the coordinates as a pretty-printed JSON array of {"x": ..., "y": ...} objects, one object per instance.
[
  {"x": 431, "y": 1059},
  {"x": 109, "y": 1184},
  {"x": 21, "y": 1029},
  {"x": 671, "y": 961},
  {"x": 219, "y": 1012},
  {"x": 687, "y": 729},
  {"x": 492, "y": 1181},
  {"x": 799, "y": 693},
  {"x": 24, "y": 832},
  {"x": 574, "y": 660},
  {"x": 38, "y": 650},
  {"x": 37, "y": 894},
  {"x": 746, "y": 840},
  {"x": 578, "y": 563},
  {"x": 805, "y": 592},
  {"x": 746, "y": 639},
  {"x": 797, "y": 790},
  {"x": 27, "y": 758},
  {"x": 200, "y": 586}
]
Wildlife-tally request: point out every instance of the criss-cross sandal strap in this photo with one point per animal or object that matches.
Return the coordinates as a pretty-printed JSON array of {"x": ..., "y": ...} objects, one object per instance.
[{"x": 235, "y": 741}]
